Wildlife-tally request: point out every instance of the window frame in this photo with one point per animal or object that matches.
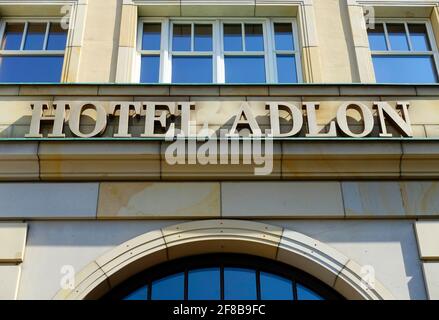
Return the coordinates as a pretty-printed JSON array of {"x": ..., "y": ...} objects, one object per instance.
[
  {"x": 218, "y": 53},
  {"x": 221, "y": 261},
  {"x": 406, "y": 21},
  {"x": 193, "y": 53},
  {"x": 296, "y": 50},
  {"x": 27, "y": 21},
  {"x": 34, "y": 53}
]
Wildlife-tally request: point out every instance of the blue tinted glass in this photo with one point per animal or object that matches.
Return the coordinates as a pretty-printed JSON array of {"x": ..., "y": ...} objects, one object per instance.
[
  {"x": 232, "y": 37},
  {"x": 286, "y": 69},
  {"x": 283, "y": 36},
  {"x": 31, "y": 69},
  {"x": 181, "y": 37},
  {"x": 151, "y": 36},
  {"x": 204, "y": 284},
  {"x": 404, "y": 69},
  {"x": 191, "y": 69},
  {"x": 377, "y": 38},
  {"x": 239, "y": 284},
  {"x": 169, "y": 288},
  {"x": 304, "y": 293},
  {"x": 274, "y": 287},
  {"x": 203, "y": 37},
  {"x": 57, "y": 38},
  {"x": 244, "y": 69},
  {"x": 36, "y": 32},
  {"x": 150, "y": 69},
  {"x": 254, "y": 39},
  {"x": 13, "y": 36},
  {"x": 139, "y": 294},
  {"x": 397, "y": 37},
  {"x": 419, "y": 37}
]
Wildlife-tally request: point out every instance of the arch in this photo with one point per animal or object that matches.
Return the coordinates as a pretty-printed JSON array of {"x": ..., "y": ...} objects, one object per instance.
[{"x": 223, "y": 236}]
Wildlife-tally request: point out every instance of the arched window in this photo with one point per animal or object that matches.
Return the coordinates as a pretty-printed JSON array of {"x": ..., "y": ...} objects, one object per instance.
[{"x": 223, "y": 277}]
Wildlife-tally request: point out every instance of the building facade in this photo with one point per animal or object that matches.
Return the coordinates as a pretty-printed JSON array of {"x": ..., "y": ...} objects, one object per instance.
[{"x": 249, "y": 149}]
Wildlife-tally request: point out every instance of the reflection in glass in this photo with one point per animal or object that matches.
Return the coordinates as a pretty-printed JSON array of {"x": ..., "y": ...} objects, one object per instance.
[
  {"x": 274, "y": 287},
  {"x": 181, "y": 37},
  {"x": 377, "y": 38},
  {"x": 419, "y": 37},
  {"x": 239, "y": 284},
  {"x": 404, "y": 69},
  {"x": 150, "y": 69},
  {"x": 204, "y": 284},
  {"x": 286, "y": 68},
  {"x": 192, "y": 69},
  {"x": 232, "y": 37},
  {"x": 31, "y": 68},
  {"x": 139, "y": 294},
  {"x": 203, "y": 37},
  {"x": 169, "y": 288},
  {"x": 36, "y": 32},
  {"x": 254, "y": 39},
  {"x": 244, "y": 69},
  {"x": 57, "y": 37},
  {"x": 397, "y": 37},
  {"x": 304, "y": 293},
  {"x": 283, "y": 36},
  {"x": 13, "y": 36},
  {"x": 151, "y": 36}
]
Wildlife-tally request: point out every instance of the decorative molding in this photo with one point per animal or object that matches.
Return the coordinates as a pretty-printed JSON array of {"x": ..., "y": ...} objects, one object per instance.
[
  {"x": 40, "y": 2},
  {"x": 395, "y": 3},
  {"x": 223, "y": 236}
]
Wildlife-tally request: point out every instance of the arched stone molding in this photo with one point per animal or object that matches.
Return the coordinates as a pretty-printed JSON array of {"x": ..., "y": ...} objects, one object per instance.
[{"x": 222, "y": 236}]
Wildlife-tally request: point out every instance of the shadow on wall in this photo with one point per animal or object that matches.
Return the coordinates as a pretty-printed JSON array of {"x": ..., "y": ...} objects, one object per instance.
[{"x": 389, "y": 246}]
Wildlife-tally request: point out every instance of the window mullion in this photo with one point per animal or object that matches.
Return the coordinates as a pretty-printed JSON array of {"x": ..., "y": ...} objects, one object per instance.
[
  {"x": 243, "y": 36},
  {"x": 386, "y": 35},
  {"x": 23, "y": 38},
  {"x": 409, "y": 41},
  {"x": 270, "y": 54},
  {"x": 192, "y": 36},
  {"x": 219, "y": 40},
  {"x": 2, "y": 30},
  {"x": 166, "y": 55},
  {"x": 46, "y": 36}
]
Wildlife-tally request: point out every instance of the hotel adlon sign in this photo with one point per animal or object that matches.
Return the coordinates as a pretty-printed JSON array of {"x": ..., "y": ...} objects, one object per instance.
[{"x": 283, "y": 119}]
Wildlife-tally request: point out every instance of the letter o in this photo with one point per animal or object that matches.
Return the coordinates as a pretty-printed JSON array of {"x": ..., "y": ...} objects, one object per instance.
[
  {"x": 75, "y": 118},
  {"x": 366, "y": 114}
]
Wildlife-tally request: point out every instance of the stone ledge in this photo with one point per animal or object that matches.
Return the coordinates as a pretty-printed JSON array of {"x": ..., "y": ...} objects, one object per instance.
[
  {"x": 101, "y": 89},
  {"x": 431, "y": 276},
  {"x": 145, "y": 160},
  {"x": 427, "y": 235},
  {"x": 14, "y": 235}
]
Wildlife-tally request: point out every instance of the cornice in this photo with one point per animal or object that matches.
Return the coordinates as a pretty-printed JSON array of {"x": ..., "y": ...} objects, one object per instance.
[{"x": 395, "y": 3}]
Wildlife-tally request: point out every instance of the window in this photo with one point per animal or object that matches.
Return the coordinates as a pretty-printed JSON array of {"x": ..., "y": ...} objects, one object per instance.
[
  {"x": 403, "y": 52},
  {"x": 218, "y": 51},
  {"x": 223, "y": 277},
  {"x": 192, "y": 53},
  {"x": 32, "y": 51},
  {"x": 244, "y": 53}
]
